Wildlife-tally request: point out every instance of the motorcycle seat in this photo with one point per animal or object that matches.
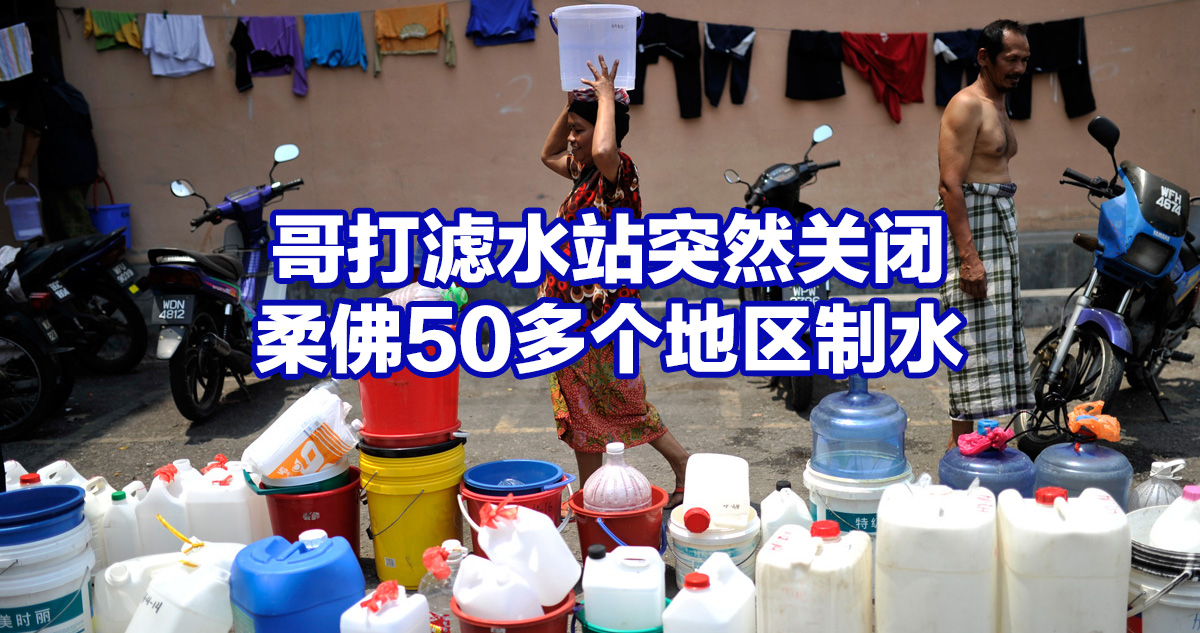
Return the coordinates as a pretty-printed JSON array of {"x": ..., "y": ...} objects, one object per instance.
[
  {"x": 37, "y": 266},
  {"x": 227, "y": 267}
]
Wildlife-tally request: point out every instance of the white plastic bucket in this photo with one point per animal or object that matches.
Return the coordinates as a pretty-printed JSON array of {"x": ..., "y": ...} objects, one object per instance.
[
  {"x": 853, "y": 503},
  {"x": 692, "y": 549},
  {"x": 587, "y": 31},
  {"x": 43, "y": 586},
  {"x": 23, "y": 212},
  {"x": 1165, "y": 601}
]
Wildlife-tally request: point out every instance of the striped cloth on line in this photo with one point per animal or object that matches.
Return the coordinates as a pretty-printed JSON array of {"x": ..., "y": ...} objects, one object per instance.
[{"x": 16, "y": 54}]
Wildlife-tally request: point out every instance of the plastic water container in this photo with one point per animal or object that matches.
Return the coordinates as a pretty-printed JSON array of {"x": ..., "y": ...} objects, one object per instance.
[
  {"x": 121, "y": 538},
  {"x": 815, "y": 580},
  {"x": 624, "y": 590},
  {"x": 119, "y": 590},
  {"x": 720, "y": 484},
  {"x": 46, "y": 565},
  {"x": 437, "y": 586},
  {"x": 1178, "y": 529},
  {"x": 783, "y": 507},
  {"x": 61, "y": 473},
  {"x": 935, "y": 548},
  {"x": 1160, "y": 489},
  {"x": 587, "y": 31},
  {"x": 717, "y": 598},
  {"x": 12, "y": 474},
  {"x": 693, "y": 541},
  {"x": 311, "y": 435},
  {"x": 398, "y": 614},
  {"x": 996, "y": 469},
  {"x": 616, "y": 486},
  {"x": 1064, "y": 563},
  {"x": 156, "y": 538},
  {"x": 515, "y": 476},
  {"x": 97, "y": 500},
  {"x": 260, "y": 515},
  {"x": 23, "y": 212},
  {"x": 185, "y": 601},
  {"x": 281, "y": 587},
  {"x": 859, "y": 434},
  {"x": 1076, "y": 467},
  {"x": 487, "y": 591},
  {"x": 222, "y": 508},
  {"x": 532, "y": 548}
]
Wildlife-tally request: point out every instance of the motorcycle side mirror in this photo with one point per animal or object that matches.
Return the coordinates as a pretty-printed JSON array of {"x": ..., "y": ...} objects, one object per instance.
[
  {"x": 732, "y": 177},
  {"x": 285, "y": 153},
  {"x": 182, "y": 189},
  {"x": 1105, "y": 132},
  {"x": 822, "y": 134}
]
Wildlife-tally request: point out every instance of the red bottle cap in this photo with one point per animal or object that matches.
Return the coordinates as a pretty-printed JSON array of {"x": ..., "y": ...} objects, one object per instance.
[
  {"x": 695, "y": 580},
  {"x": 1046, "y": 496},
  {"x": 825, "y": 529},
  {"x": 30, "y": 478},
  {"x": 696, "y": 520}
]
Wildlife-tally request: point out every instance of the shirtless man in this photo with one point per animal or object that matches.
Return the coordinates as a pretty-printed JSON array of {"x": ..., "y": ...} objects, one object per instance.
[{"x": 975, "y": 143}]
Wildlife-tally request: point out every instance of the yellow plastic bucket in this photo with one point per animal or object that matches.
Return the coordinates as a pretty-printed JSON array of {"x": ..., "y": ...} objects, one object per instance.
[{"x": 412, "y": 501}]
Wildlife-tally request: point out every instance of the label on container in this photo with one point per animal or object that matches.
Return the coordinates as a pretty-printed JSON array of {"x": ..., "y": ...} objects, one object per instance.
[
  {"x": 61, "y": 615},
  {"x": 242, "y": 622},
  {"x": 847, "y": 521}
]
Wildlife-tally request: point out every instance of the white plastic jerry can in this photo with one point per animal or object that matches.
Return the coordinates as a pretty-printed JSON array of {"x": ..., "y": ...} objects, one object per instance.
[
  {"x": 12, "y": 474},
  {"x": 488, "y": 591},
  {"x": 815, "y": 580},
  {"x": 1064, "y": 563},
  {"x": 783, "y": 507},
  {"x": 97, "y": 499},
  {"x": 120, "y": 589},
  {"x": 624, "y": 590},
  {"x": 156, "y": 538},
  {"x": 185, "y": 601},
  {"x": 935, "y": 551},
  {"x": 217, "y": 508},
  {"x": 1178, "y": 529},
  {"x": 61, "y": 473},
  {"x": 121, "y": 540},
  {"x": 721, "y": 485},
  {"x": 717, "y": 598},
  {"x": 260, "y": 518},
  {"x": 531, "y": 546},
  {"x": 387, "y": 610}
]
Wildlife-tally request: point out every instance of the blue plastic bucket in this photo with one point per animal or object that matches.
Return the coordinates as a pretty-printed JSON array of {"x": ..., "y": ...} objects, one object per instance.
[
  {"x": 534, "y": 476},
  {"x": 110, "y": 217},
  {"x": 35, "y": 514},
  {"x": 23, "y": 212}
]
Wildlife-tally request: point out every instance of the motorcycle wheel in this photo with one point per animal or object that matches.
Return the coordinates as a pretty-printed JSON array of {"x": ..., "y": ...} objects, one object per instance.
[
  {"x": 197, "y": 375},
  {"x": 119, "y": 329},
  {"x": 800, "y": 394},
  {"x": 1091, "y": 372},
  {"x": 27, "y": 385}
]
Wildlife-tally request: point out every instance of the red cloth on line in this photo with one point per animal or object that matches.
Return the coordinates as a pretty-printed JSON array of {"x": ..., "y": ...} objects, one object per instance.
[{"x": 894, "y": 64}]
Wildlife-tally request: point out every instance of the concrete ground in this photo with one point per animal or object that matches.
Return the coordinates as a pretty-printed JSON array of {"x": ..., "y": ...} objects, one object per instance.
[{"x": 123, "y": 427}]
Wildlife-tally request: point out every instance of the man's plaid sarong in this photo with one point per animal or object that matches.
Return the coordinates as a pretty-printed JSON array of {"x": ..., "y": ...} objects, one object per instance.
[{"x": 994, "y": 382}]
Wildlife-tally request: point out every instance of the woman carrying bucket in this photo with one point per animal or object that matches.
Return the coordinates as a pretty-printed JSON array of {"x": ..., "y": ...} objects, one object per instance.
[{"x": 592, "y": 407}]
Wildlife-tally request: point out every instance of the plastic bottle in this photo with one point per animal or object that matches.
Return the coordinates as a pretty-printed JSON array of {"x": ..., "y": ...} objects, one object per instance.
[
  {"x": 996, "y": 469},
  {"x": 1160, "y": 489},
  {"x": 488, "y": 591},
  {"x": 30, "y": 480},
  {"x": 260, "y": 517},
  {"x": 184, "y": 601},
  {"x": 783, "y": 507},
  {"x": 1178, "y": 529},
  {"x": 12, "y": 474},
  {"x": 121, "y": 539},
  {"x": 859, "y": 434},
  {"x": 386, "y": 610},
  {"x": 531, "y": 546},
  {"x": 97, "y": 499},
  {"x": 720, "y": 484},
  {"x": 816, "y": 580},
  {"x": 119, "y": 590},
  {"x": 718, "y": 598},
  {"x": 217, "y": 509},
  {"x": 624, "y": 590},
  {"x": 437, "y": 586},
  {"x": 61, "y": 473},
  {"x": 156, "y": 539},
  {"x": 616, "y": 486},
  {"x": 184, "y": 472},
  {"x": 1075, "y": 467}
]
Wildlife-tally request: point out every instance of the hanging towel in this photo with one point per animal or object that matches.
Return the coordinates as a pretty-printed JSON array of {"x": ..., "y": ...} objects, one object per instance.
[
  {"x": 112, "y": 29},
  {"x": 727, "y": 45},
  {"x": 268, "y": 47},
  {"x": 177, "y": 45},
  {"x": 954, "y": 52},
  {"x": 413, "y": 31},
  {"x": 894, "y": 64},
  {"x": 814, "y": 66},
  {"x": 495, "y": 22},
  {"x": 334, "y": 39},
  {"x": 16, "y": 55},
  {"x": 1059, "y": 47}
]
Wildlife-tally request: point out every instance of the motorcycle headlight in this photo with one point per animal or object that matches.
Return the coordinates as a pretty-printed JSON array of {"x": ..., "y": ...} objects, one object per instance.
[{"x": 1148, "y": 254}]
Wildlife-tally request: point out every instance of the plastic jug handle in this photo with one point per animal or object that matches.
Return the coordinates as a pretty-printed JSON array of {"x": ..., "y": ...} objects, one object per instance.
[
  {"x": 466, "y": 515},
  {"x": 642, "y": 25},
  {"x": 553, "y": 25},
  {"x": 567, "y": 480},
  {"x": 1169, "y": 470}
]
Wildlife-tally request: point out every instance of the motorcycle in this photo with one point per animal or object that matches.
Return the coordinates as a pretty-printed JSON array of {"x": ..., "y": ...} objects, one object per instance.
[
  {"x": 779, "y": 187},
  {"x": 1138, "y": 303},
  {"x": 205, "y": 303}
]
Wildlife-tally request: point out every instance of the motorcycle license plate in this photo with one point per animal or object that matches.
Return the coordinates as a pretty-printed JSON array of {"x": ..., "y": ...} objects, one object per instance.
[
  {"x": 48, "y": 329},
  {"x": 123, "y": 274},
  {"x": 810, "y": 295},
  {"x": 60, "y": 291},
  {"x": 173, "y": 309}
]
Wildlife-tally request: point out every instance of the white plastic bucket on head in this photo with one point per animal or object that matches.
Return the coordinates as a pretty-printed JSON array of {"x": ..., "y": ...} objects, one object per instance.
[
  {"x": 853, "y": 503},
  {"x": 23, "y": 212},
  {"x": 43, "y": 586},
  {"x": 587, "y": 31},
  {"x": 691, "y": 549},
  {"x": 1164, "y": 586}
]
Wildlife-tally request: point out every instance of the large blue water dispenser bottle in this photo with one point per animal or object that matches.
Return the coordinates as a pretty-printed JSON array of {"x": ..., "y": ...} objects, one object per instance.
[
  {"x": 1076, "y": 466},
  {"x": 859, "y": 434},
  {"x": 996, "y": 469}
]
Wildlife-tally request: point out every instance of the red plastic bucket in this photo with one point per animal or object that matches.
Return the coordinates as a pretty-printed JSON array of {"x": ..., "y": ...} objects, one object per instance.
[
  {"x": 554, "y": 621},
  {"x": 548, "y": 502},
  {"x": 406, "y": 410},
  {"x": 335, "y": 511},
  {"x": 637, "y": 527}
]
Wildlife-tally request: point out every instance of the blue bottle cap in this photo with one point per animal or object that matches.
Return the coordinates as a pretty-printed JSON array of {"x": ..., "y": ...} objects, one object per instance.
[{"x": 983, "y": 426}]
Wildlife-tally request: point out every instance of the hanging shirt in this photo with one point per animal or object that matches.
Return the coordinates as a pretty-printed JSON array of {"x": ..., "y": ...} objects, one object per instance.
[
  {"x": 177, "y": 45},
  {"x": 16, "y": 55},
  {"x": 112, "y": 29},
  {"x": 413, "y": 31},
  {"x": 814, "y": 66},
  {"x": 894, "y": 64},
  {"x": 496, "y": 22},
  {"x": 334, "y": 39},
  {"x": 954, "y": 52},
  {"x": 268, "y": 47}
]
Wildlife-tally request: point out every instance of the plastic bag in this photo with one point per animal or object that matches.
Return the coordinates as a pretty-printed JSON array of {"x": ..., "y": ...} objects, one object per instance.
[
  {"x": 1160, "y": 489},
  {"x": 311, "y": 435}
]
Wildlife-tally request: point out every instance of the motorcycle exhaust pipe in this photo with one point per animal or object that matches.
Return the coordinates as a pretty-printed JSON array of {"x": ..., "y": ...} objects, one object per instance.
[{"x": 238, "y": 361}]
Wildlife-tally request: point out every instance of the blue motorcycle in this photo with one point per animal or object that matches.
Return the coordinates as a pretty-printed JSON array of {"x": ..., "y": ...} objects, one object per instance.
[{"x": 1138, "y": 303}]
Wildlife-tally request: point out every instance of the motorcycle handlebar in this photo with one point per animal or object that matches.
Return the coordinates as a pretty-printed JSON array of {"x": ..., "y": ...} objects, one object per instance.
[
  {"x": 209, "y": 215},
  {"x": 292, "y": 185},
  {"x": 1076, "y": 176},
  {"x": 832, "y": 163}
]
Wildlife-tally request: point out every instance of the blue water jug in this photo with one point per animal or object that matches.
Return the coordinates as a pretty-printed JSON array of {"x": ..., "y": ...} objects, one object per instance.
[
  {"x": 858, "y": 434},
  {"x": 1077, "y": 466},
  {"x": 996, "y": 469},
  {"x": 282, "y": 587}
]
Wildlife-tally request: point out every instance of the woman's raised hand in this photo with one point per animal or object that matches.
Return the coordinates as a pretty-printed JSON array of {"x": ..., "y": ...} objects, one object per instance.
[{"x": 604, "y": 82}]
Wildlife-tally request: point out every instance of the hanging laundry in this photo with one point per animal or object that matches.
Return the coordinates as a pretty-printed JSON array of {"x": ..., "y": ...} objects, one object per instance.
[
  {"x": 679, "y": 41},
  {"x": 1060, "y": 47},
  {"x": 16, "y": 54},
  {"x": 725, "y": 46},
  {"x": 112, "y": 29},
  {"x": 177, "y": 45},
  {"x": 814, "y": 66},
  {"x": 413, "y": 31},
  {"x": 334, "y": 39},
  {"x": 495, "y": 22},
  {"x": 894, "y": 64},
  {"x": 954, "y": 53},
  {"x": 268, "y": 47}
]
